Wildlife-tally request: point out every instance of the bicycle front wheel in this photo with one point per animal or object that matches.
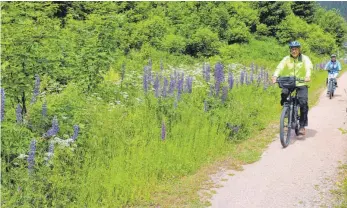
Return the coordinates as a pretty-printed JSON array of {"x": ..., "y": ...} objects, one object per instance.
[{"x": 285, "y": 126}]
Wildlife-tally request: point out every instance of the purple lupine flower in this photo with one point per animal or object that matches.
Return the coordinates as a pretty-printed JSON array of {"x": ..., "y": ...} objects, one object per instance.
[
  {"x": 54, "y": 129},
  {"x": 31, "y": 157},
  {"x": 242, "y": 77},
  {"x": 19, "y": 116},
  {"x": 50, "y": 151},
  {"x": 180, "y": 83},
  {"x": 207, "y": 73},
  {"x": 44, "y": 109},
  {"x": 172, "y": 84},
  {"x": 76, "y": 130},
  {"x": 36, "y": 88},
  {"x": 246, "y": 78},
  {"x": 163, "y": 131},
  {"x": 156, "y": 86},
  {"x": 230, "y": 80},
  {"x": 145, "y": 79},
  {"x": 259, "y": 79},
  {"x": 224, "y": 93},
  {"x": 2, "y": 104},
  {"x": 251, "y": 78},
  {"x": 262, "y": 72},
  {"x": 165, "y": 87},
  {"x": 266, "y": 77},
  {"x": 219, "y": 77}
]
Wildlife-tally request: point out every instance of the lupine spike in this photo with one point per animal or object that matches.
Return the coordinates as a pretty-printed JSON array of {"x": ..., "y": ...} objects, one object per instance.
[
  {"x": 36, "y": 88},
  {"x": 156, "y": 86},
  {"x": 208, "y": 72},
  {"x": 172, "y": 84},
  {"x": 76, "y": 130},
  {"x": 165, "y": 87},
  {"x": 246, "y": 78},
  {"x": 44, "y": 109},
  {"x": 163, "y": 131},
  {"x": 31, "y": 157},
  {"x": 219, "y": 77},
  {"x": 145, "y": 79},
  {"x": 19, "y": 116},
  {"x": 2, "y": 104},
  {"x": 231, "y": 80},
  {"x": 242, "y": 77},
  {"x": 50, "y": 151},
  {"x": 252, "y": 76},
  {"x": 54, "y": 129}
]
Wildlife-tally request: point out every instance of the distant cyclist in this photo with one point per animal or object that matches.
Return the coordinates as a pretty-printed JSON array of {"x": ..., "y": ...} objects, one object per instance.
[
  {"x": 299, "y": 65},
  {"x": 333, "y": 67}
]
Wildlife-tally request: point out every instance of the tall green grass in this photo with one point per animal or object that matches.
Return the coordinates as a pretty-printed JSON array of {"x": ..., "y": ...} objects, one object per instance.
[{"x": 120, "y": 158}]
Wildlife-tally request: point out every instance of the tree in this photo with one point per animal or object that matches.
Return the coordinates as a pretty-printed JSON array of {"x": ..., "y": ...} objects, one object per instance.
[
  {"x": 30, "y": 45},
  {"x": 333, "y": 23},
  {"x": 292, "y": 28},
  {"x": 272, "y": 13},
  {"x": 305, "y": 10}
]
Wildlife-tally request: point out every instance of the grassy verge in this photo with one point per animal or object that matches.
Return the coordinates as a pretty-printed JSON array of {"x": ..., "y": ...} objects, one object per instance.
[
  {"x": 121, "y": 157},
  {"x": 185, "y": 193}
]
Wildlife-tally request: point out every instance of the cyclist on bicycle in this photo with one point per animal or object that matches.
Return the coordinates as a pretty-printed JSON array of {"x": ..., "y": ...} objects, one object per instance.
[
  {"x": 299, "y": 65},
  {"x": 333, "y": 67}
]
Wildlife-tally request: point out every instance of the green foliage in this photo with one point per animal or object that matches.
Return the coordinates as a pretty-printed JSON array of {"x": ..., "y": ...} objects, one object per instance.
[
  {"x": 81, "y": 50},
  {"x": 292, "y": 28},
  {"x": 272, "y": 13},
  {"x": 203, "y": 42},
  {"x": 304, "y": 10},
  {"x": 174, "y": 43},
  {"x": 237, "y": 32},
  {"x": 332, "y": 22}
]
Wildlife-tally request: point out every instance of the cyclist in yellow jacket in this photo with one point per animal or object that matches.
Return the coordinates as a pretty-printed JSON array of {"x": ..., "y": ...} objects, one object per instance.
[{"x": 299, "y": 65}]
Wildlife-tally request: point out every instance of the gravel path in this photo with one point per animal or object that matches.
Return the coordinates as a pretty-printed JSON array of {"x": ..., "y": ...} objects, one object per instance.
[{"x": 300, "y": 175}]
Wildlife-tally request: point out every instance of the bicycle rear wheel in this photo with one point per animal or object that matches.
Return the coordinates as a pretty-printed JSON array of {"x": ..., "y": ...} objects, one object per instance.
[
  {"x": 285, "y": 126},
  {"x": 330, "y": 87}
]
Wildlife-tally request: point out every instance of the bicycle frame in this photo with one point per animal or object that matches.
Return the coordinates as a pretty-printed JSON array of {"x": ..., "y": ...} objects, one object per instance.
[
  {"x": 331, "y": 84},
  {"x": 292, "y": 103}
]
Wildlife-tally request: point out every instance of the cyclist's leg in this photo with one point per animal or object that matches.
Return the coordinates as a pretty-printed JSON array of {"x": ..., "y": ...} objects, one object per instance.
[
  {"x": 284, "y": 95},
  {"x": 303, "y": 101},
  {"x": 335, "y": 76}
]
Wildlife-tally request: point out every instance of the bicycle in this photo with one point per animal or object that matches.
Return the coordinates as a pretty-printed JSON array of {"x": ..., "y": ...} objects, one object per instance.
[
  {"x": 290, "y": 116},
  {"x": 331, "y": 80}
]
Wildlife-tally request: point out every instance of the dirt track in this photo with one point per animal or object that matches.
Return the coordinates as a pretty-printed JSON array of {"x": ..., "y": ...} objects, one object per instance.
[{"x": 300, "y": 175}]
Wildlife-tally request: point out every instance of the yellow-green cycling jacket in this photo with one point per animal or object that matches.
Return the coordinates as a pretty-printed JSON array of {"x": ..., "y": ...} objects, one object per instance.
[{"x": 300, "y": 67}]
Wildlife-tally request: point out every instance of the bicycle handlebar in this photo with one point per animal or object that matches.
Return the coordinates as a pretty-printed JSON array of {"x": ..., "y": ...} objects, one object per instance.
[{"x": 296, "y": 79}]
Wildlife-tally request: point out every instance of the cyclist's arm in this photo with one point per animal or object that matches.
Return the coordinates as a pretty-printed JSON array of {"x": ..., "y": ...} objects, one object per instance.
[
  {"x": 280, "y": 67},
  {"x": 308, "y": 67},
  {"x": 326, "y": 66}
]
